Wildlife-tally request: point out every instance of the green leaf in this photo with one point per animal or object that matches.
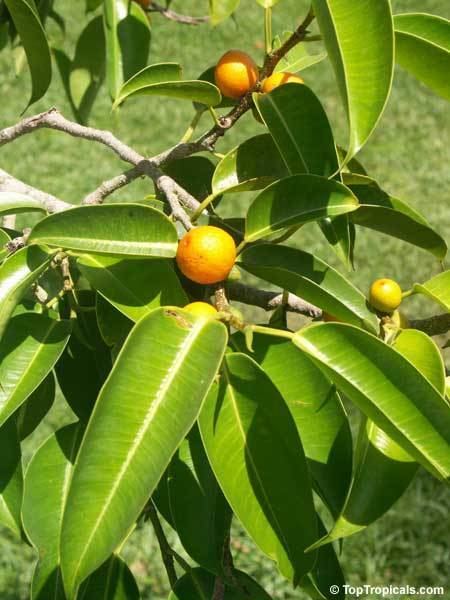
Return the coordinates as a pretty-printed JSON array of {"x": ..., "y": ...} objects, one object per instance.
[
  {"x": 386, "y": 387},
  {"x": 310, "y": 278},
  {"x": 326, "y": 579},
  {"x": 29, "y": 349},
  {"x": 128, "y": 35},
  {"x": 34, "y": 409},
  {"x": 300, "y": 128},
  {"x": 88, "y": 68},
  {"x": 296, "y": 200},
  {"x": 193, "y": 173},
  {"x": 317, "y": 411},
  {"x": 340, "y": 234},
  {"x": 146, "y": 407},
  {"x": 377, "y": 210},
  {"x": 85, "y": 353},
  {"x": 384, "y": 470},
  {"x": 32, "y": 35},
  {"x": 113, "y": 325},
  {"x": 44, "y": 497},
  {"x": 437, "y": 288},
  {"x": 130, "y": 230},
  {"x": 14, "y": 204},
  {"x": 200, "y": 513},
  {"x": 297, "y": 59},
  {"x": 220, "y": 10},
  {"x": 198, "y": 584},
  {"x": 134, "y": 287},
  {"x": 11, "y": 479},
  {"x": 252, "y": 165},
  {"x": 17, "y": 273},
  {"x": 112, "y": 581},
  {"x": 4, "y": 239},
  {"x": 257, "y": 457},
  {"x": 92, "y": 4},
  {"x": 364, "y": 78},
  {"x": 422, "y": 47},
  {"x": 165, "y": 80}
]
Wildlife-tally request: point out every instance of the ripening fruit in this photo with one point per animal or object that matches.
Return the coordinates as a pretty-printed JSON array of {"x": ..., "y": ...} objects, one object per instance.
[
  {"x": 385, "y": 295},
  {"x": 144, "y": 3},
  {"x": 277, "y": 79},
  {"x": 236, "y": 74},
  {"x": 206, "y": 254},
  {"x": 201, "y": 309}
]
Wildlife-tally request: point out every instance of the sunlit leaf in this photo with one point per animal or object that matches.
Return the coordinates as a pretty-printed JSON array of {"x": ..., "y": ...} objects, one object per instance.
[
  {"x": 364, "y": 78},
  {"x": 146, "y": 407},
  {"x": 257, "y": 456},
  {"x": 130, "y": 230}
]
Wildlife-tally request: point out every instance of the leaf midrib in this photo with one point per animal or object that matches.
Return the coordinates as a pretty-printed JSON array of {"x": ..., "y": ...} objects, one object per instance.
[{"x": 159, "y": 398}]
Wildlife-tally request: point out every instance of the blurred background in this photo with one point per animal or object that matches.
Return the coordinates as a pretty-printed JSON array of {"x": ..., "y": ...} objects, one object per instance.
[{"x": 409, "y": 154}]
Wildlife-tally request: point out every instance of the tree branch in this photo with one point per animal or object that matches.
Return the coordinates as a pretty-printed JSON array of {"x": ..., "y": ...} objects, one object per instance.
[
  {"x": 166, "y": 550},
  {"x": 50, "y": 203},
  {"x": 174, "y": 16},
  {"x": 270, "y": 300}
]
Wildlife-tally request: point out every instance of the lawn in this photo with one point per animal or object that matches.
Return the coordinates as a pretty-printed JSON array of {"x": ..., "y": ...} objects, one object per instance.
[{"x": 409, "y": 153}]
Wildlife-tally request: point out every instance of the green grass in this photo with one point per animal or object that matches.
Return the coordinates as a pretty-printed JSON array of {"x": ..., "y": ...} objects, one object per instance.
[{"x": 409, "y": 154}]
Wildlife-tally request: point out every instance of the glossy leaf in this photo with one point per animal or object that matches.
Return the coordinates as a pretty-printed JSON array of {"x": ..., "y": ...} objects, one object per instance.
[
  {"x": 193, "y": 173},
  {"x": 296, "y": 200},
  {"x": 310, "y": 278},
  {"x": 85, "y": 353},
  {"x": 379, "y": 211},
  {"x": 257, "y": 457},
  {"x": 17, "y": 273},
  {"x": 45, "y": 494},
  {"x": 437, "y": 288},
  {"x": 11, "y": 478},
  {"x": 300, "y": 128},
  {"x": 298, "y": 59},
  {"x": 220, "y": 10},
  {"x": 422, "y": 40},
  {"x": 386, "y": 387},
  {"x": 112, "y": 581},
  {"x": 198, "y": 584},
  {"x": 340, "y": 234},
  {"x": 113, "y": 325},
  {"x": 384, "y": 470},
  {"x": 134, "y": 287},
  {"x": 326, "y": 579},
  {"x": 88, "y": 68},
  {"x": 364, "y": 78},
  {"x": 252, "y": 165},
  {"x": 4, "y": 239},
  {"x": 164, "y": 79},
  {"x": 140, "y": 412},
  {"x": 29, "y": 349},
  {"x": 31, "y": 413},
  {"x": 317, "y": 411},
  {"x": 13, "y": 204},
  {"x": 200, "y": 513},
  {"x": 130, "y": 230},
  {"x": 127, "y": 34},
  {"x": 92, "y": 4},
  {"x": 32, "y": 35}
]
